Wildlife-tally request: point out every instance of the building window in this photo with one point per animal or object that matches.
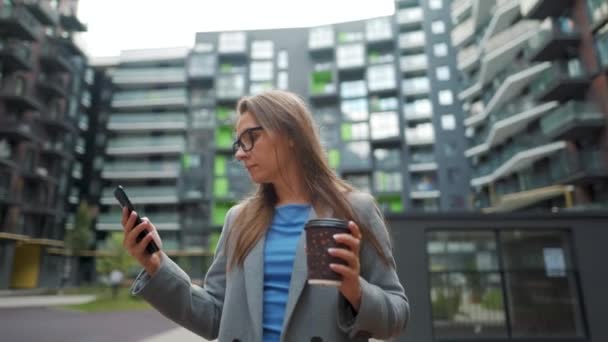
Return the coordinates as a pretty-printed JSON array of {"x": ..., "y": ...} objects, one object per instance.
[
  {"x": 448, "y": 122},
  {"x": 446, "y": 97},
  {"x": 443, "y": 73},
  {"x": 283, "y": 59},
  {"x": 440, "y": 50},
  {"x": 435, "y": 4},
  {"x": 477, "y": 277},
  {"x": 438, "y": 27}
]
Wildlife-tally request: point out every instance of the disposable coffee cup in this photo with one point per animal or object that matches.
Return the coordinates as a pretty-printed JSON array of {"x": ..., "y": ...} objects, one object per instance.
[{"x": 319, "y": 238}]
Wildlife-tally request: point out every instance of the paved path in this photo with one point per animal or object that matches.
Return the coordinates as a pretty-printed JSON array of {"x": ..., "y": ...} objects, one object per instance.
[{"x": 43, "y": 301}]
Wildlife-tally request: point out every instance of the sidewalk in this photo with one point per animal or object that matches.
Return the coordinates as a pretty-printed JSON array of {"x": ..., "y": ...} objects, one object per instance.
[
  {"x": 42, "y": 301},
  {"x": 177, "y": 334}
]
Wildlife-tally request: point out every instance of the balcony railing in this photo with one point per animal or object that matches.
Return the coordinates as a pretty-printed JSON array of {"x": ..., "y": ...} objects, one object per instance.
[
  {"x": 602, "y": 49},
  {"x": 463, "y": 32},
  {"x": 150, "y": 98},
  {"x": 42, "y": 10},
  {"x": 555, "y": 38},
  {"x": 560, "y": 81},
  {"x": 570, "y": 115},
  {"x": 151, "y": 194},
  {"x": 146, "y": 145},
  {"x": 131, "y": 170},
  {"x": 599, "y": 12},
  {"x": 161, "y": 220},
  {"x": 16, "y": 54},
  {"x": 460, "y": 8},
  {"x": 17, "y": 92},
  {"x": 147, "y": 121},
  {"x": 149, "y": 75},
  {"x": 19, "y": 22},
  {"x": 54, "y": 57}
]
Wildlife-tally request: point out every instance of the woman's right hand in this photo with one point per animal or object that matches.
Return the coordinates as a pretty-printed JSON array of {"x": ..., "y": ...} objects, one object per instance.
[{"x": 150, "y": 262}]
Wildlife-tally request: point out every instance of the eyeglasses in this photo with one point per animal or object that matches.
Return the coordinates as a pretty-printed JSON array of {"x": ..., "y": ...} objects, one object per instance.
[{"x": 246, "y": 140}]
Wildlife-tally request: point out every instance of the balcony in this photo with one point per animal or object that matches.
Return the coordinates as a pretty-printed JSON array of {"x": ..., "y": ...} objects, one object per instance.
[
  {"x": 598, "y": 10},
  {"x": 555, "y": 40},
  {"x": 57, "y": 149},
  {"x": 413, "y": 64},
  {"x": 572, "y": 120},
  {"x": 412, "y": 41},
  {"x": 463, "y": 33},
  {"x": 56, "y": 120},
  {"x": 165, "y": 121},
  {"x": 500, "y": 52},
  {"x": 141, "y": 195},
  {"x": 42, "y": 11},
  {"x": 460, "y": 9},
  {"x": 146, "y": 145},
  {"x": 516, "y": 156},
  {"x": 163, "y": 221},
  {"x": 509, "y": 84},
  {"x": 15, "y": 55},
  {"x": 508, "y": 122},
  {"x": 581, "y": 167},
  {"x": 176, "y": 97},
  {"x": 602, "y": 50},
  {"x": 409, "y": 17},
  {"x": 18, "y": 130},
  {"x": 147, "y": 76},
  {"x": 16, "y": 93},
  {"x": 70, "y": 21},
  {"x": 140, "y": 170},
  {"x": 54, "y": 57},
  {"x": 52, "y": 85},
  {"x": 202, "y": 66},
  {"x": 467, "y": 57},
  {"x": 562, "y": 81},
  {"x": 541, "y": 9},
  {"x": 16, "y": 21}
]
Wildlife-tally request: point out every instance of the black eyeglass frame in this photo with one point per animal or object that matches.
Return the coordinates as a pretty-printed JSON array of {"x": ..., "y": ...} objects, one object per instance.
[{"x": 237, "y": 143}]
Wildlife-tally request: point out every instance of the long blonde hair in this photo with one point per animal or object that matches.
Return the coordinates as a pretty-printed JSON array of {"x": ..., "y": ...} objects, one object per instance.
[{"x": 286, "y": 114}]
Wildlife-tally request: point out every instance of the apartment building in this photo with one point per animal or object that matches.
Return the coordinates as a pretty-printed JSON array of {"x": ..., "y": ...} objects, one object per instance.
[
  {"x": 533, "y": 93},
  {"x": 40, "y": 108}
]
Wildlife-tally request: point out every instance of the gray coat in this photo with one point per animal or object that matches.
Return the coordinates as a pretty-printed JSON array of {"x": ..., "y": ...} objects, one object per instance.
[{"x": 229, "y": 305}]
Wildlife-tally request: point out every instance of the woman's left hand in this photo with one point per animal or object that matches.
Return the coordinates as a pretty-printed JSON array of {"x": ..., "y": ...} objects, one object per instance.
[{"x": 351, "y": 287}]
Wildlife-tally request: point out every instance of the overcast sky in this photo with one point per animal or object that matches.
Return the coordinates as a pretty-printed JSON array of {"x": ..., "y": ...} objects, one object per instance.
[{"x": 115, "y": 25}]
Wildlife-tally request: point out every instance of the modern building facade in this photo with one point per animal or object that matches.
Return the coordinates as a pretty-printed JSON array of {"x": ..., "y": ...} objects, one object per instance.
[
  {"x": 39, "y": 112},
  {"x": 533, "y": 92}
]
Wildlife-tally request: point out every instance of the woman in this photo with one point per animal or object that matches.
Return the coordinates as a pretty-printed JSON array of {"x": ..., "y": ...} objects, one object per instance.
[{"x": 255, "y": 289}]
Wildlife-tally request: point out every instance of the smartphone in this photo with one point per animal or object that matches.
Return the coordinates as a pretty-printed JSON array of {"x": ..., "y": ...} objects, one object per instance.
[{"x": 122, "y": 198}]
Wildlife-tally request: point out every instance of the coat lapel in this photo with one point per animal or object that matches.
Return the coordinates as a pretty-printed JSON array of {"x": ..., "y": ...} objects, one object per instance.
[{"x": 254, "y": 285}]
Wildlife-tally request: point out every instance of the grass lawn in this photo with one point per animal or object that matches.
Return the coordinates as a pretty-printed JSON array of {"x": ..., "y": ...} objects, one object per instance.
[{"x": 104, "y": 302}]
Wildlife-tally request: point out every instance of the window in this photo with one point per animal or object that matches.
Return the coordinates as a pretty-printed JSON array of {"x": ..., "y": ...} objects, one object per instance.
[
  {"x": 440, "y": 50},
  {"x": 435, "y": 4},
  {"x": 283, "y": 59},
  {"x": 443, "y": 73},
  {"x": 448, "y": 122},
  {"x": 384, "y": 125},
  {"x": 349, "y": 56},
  {"x": 438, "y": 27},
  {"x": 283, "y": 80},
  {"x": 471, "y": 280},
  {"x": 446, "y": 97},
  {"x": 387, "y": 158},
  {"x": 381, "y": 77},
  {"x": 261, "y": 71},
  {"x": 355, "y": 110},
  {"x": 360, "y": 182},
  {"x": 262, "y": 49}
]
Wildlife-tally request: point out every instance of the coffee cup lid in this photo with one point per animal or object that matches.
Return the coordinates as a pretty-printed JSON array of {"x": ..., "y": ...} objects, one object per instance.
[{"x": 327, "y": 223}]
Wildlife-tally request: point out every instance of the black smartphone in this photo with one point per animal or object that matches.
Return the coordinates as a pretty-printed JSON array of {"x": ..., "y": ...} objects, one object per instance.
[{"x": 122, "y": 198}]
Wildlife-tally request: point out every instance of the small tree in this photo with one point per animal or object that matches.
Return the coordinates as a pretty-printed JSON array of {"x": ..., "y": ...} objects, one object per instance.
[
  {"x": 116, "y": 258},
  {"x": 78, "y": 237}
]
